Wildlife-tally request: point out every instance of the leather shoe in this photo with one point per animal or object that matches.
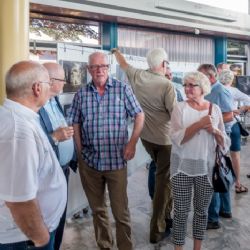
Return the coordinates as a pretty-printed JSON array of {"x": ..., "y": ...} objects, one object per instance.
[
  {"x": 213, "y": 225},
  {"x": 225, "y": 215}
]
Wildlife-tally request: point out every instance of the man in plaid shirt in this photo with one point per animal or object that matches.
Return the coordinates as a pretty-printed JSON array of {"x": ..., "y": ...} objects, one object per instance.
[{"x": 100, "y": 113}]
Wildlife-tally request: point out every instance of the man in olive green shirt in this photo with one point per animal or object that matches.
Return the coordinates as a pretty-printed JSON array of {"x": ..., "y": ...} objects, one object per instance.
[{"x": 156, "y": 95}]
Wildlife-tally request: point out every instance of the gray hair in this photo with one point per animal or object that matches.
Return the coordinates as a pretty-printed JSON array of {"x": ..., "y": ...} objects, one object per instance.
[
  {"x": 99, "y": 54},
  {"x": 200, "y": 79},
  {"x": 226, "y": 77},
  {"x": 21, "y": 76},
  {"x": 155, "y": 57},
  {"x": 208, "y": 68}
]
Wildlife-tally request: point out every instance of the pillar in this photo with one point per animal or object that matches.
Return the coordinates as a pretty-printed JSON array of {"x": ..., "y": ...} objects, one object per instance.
[
  {"x": 110, "y": 36},
  {"x": 14, "y": 36},
  {"x": 220, "y": 50}
]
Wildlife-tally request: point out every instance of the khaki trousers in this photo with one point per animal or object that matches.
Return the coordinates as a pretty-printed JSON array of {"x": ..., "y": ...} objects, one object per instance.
[
  {"x": 162, "y": 201},
  {"x": 94, "y": 183}
]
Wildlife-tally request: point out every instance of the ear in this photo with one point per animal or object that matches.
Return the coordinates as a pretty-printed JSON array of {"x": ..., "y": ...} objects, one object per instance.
[{"x": 36, "y": 87}]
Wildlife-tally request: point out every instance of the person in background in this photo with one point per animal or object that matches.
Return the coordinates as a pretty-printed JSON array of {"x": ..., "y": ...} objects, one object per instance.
[
  {"x": 179, "y": 95},
  {"x": 152, "y": 165},
  {"x": 221, "y": 203},
  {"x": 226, "y": 78},
  {"x": 58, "y": 132},
  {"x": 222, "y": 66},
  {"x": 195, "y": 135},
  {"x": 33, "y": 189},
  {"x": 236, "y": 69},
  {"x": 100, "y": 114},
  {"x": 156, "y": 95}
]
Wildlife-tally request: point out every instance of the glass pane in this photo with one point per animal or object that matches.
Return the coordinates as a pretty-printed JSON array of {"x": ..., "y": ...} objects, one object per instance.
[{"x": 48, "y": 30}]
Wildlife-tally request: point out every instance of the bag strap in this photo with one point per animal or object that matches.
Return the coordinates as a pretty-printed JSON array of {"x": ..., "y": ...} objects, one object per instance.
[{"x": 210, "y": 108}]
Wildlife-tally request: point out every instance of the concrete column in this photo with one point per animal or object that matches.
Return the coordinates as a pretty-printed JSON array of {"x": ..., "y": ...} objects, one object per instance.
[{"x": 14, "y": 36}]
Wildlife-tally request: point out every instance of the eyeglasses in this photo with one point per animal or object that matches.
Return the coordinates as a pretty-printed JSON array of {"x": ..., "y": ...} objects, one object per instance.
[
  {"x": 57, "y": 79},
  {"x": 166, "y": 62},
  {"x": 99, "y": 66},
  {"x": 191, "y": 86}
]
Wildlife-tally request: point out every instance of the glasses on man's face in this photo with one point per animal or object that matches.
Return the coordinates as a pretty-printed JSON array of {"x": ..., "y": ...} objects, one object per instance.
[
  {"x": 190, "y": 85},
  {"x": 166, "y": 62},
  {"x": 99, "y": 66},
  {"x": 58, "y": 79}
]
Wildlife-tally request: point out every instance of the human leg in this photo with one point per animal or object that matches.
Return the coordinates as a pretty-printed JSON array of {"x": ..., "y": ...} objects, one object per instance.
[
  {"x": 60, "y": 228},
  {"x": 235, "y": 156},
  {"x": 94, "y": 186},
  {"x": 225, "y": 202},
  {"x": 162, "y": 202},
  {"x": 213, "y": 212},
  {"x": 117, "y": 187},
  {"x": 151, "y": 179},
  {"x": 182, "y": 194},
  {"x": 202, "y": 197}
]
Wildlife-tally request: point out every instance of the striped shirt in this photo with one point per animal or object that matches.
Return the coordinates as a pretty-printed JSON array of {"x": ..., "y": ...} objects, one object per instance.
[{"x": 104, "y": 121}]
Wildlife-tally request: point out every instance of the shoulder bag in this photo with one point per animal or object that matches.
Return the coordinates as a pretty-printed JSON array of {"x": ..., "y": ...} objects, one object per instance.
[{"x": 223, "y": 175}]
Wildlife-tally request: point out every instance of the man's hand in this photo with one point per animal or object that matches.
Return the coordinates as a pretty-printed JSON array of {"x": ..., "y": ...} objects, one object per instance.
[
  {"x": 129, "y": 151},
  {"x": 63, "y": 133},
  {"x": 114, "y": 50}
]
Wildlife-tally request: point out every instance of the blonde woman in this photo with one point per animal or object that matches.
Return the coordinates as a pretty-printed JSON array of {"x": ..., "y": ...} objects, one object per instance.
[
  {"x": 195, "y": 135},
  {"x": 226, "y": 78}
]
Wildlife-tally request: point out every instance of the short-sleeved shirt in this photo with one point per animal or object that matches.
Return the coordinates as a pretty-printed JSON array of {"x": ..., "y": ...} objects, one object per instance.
[
  {"x": 221, "y": 96},
  {"x": 104, "y": 121},
  {"x": 156, "y": 95},
  {"x": 29, "y": 170}
]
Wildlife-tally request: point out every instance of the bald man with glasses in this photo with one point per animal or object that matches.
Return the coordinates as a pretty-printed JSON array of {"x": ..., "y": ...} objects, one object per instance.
[{"x": 59, "y": 133}]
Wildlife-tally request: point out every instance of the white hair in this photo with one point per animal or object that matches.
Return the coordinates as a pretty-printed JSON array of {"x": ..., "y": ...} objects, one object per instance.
[
  {"x": 99, "y": 54},
  {"x": 21, "y": 76},
  {"x": 226, "y": 77},
  {"x": 200, "y": 79},
  {"x": 155, "y": 57}
]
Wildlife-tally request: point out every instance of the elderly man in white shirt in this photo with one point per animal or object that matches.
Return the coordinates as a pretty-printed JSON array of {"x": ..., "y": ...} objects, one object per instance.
[{"x": 32, "y": 184}]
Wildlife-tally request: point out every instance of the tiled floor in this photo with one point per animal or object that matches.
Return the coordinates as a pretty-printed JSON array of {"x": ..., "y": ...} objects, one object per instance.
[{"x": 233, "y": 235}]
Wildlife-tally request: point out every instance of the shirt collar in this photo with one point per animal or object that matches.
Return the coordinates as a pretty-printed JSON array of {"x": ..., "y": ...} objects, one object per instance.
[
  {"x": 22, "y": 110},
  {"x": 109, "y": 83},
  {"x": 215, "y": 84}
]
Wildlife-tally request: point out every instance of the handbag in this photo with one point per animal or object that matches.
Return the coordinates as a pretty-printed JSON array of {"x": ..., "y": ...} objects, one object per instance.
[
  {"x": 243, "y": 131},
  {"x": 223, "y": 175}
]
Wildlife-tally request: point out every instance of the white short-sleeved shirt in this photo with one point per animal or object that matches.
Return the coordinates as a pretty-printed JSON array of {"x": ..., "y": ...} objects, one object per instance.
[
  {"x": 29, "y": 169},
  {"x": 195, "y": 157}
]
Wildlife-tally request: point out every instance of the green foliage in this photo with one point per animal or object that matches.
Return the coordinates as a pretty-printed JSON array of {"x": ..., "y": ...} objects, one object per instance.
[{"x": 59, "y": 31}]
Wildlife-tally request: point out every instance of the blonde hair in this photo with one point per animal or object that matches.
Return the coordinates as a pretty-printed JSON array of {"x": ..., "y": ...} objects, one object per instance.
[
  {"x": 226, "y": 77},
  {"x": 199, "y": 79}
]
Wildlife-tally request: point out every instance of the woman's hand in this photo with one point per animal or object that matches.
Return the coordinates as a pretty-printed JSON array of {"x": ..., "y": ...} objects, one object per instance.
[
  {"x": 206, "y": 123},
  {"x": 218, "y": 137}
]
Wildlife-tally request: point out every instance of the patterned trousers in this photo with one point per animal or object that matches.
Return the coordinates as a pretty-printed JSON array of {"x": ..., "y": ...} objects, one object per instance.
[{"x": 182, "y": 186}]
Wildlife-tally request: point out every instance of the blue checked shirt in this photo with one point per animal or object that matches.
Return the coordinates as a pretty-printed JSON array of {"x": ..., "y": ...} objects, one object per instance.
[{"x": 104, "y": 121}]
